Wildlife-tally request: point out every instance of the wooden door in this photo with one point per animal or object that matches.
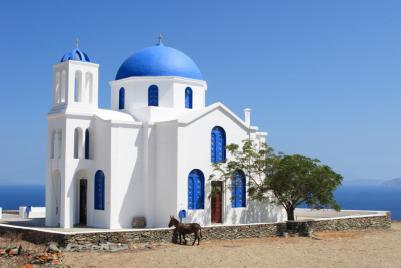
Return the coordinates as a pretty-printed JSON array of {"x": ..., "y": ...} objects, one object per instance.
[
  {"x": 217, "y": 201},
  {"x": 82, "y": 201}
]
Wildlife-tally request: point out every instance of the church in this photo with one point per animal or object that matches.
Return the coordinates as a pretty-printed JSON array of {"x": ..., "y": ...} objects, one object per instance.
[{"x": 150, "y": 155}]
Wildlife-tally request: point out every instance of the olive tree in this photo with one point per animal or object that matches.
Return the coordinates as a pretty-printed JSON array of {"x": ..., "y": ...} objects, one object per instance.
[{"x": 293, "y": 179}]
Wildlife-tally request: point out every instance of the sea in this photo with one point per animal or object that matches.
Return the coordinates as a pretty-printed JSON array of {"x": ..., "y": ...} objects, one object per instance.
[{"x": 368, "y": 197}]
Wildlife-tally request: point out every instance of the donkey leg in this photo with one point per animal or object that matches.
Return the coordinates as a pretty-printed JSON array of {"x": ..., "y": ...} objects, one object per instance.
[
  {"x": 180, "y": 237},
  {"x": 196, "y": 237},
  {"x": 185, "y": 240}
]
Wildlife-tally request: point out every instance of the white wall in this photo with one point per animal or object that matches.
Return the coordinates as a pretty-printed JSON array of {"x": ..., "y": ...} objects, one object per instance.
[
  {"x": 127, "y": 182},
  {"x": 194, "y": 153},
  {"x": 164, "y": 173},
  {"x": 171, "y": 96}
]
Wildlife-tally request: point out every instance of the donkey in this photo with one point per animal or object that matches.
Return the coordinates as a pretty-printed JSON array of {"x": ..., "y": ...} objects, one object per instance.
[{"x": 186, "y": 228}]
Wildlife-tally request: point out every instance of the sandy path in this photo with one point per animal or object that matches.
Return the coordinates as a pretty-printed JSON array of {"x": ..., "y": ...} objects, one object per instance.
[{"x": 340, "y": 249}]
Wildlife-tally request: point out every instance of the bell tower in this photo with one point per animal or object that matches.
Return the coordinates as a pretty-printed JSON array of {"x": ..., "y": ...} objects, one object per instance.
[
  {"x": 74, "y": 102},
  {"x": 75, "y": 82}
]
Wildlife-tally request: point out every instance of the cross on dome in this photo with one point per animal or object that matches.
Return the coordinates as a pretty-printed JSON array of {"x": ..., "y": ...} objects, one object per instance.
[{"x": 160, "y": 39}]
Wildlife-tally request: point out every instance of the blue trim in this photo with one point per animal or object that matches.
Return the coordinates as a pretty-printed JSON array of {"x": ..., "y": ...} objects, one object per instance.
[
  {"x": 153, "y": 96},
  {"x": 218, "y": 145},
  {"x": 238, "y": 190},
  {"x": 188, "y": 98},
  {"x": 196, "y": 190},
  {"x": 121, "y": 99},
  {"x": 99, "y": 190}
]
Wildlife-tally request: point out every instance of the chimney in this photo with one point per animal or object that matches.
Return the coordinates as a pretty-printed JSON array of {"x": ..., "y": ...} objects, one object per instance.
[{"x": 247, "y": 112}]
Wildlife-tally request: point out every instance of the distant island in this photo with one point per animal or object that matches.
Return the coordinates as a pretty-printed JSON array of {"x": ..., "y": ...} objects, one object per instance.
[
  {"x": 392, "y": 182},
  {"x": 373, "y": 182}
]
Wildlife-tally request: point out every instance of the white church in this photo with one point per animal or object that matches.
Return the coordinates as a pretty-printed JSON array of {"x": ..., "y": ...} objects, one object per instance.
[{"x": 151, "y": 154}]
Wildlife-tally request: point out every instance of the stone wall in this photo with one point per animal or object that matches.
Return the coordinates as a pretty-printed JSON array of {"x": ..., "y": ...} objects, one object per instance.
[
  {"x": 382, "y": 221},
  {"x": 352, "y": 223}
]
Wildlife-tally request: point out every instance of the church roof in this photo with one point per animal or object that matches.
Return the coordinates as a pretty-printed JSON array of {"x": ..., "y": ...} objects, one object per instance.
[
  {"x": 75, "y": 54},
  {"x": 159, "y": 60}
]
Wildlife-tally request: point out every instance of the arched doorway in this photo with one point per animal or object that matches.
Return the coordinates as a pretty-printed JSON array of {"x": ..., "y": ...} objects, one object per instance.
[
  {"x": 56, "y": 192},
  {"x": 217, "y": 202},
  {"x": 80, "y": 214},
  {"x": 83, "y": 197}
]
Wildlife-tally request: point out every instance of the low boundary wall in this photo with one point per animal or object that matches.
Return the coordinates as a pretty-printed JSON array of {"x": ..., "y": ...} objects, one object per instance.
[{"x": 40, "y": 236}]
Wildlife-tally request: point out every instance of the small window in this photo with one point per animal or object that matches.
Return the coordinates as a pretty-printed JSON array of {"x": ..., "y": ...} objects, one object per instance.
[
  {"x": 153, "y": 95},
  {"x": 78, "y": 143},
  {"x": 196, "y": 189},
  {"x": 59, "y": 143},
  {"x": 121, "y": 99},
  {"x": 188, "y": 98},
  {"x": 78, "y": 86},
  {"x": 99, "y": 190},
  {"x": 87, "y": 144},
  {"x": 53, "y": 141},
  {"x": 238, "y": 190},
  {"x": 218, "y": 145}
]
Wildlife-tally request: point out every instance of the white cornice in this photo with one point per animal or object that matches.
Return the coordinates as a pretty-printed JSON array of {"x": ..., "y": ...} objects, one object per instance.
[{"x": 177, "y": 79}]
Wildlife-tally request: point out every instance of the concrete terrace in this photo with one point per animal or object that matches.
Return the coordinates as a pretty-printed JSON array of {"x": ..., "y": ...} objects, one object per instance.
[{"x": 12, "y": 220}]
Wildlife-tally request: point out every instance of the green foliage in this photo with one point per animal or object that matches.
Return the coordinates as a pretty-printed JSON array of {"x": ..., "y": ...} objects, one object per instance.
[
  {"x": 253, "y": 159},
  {"x": 293, "y": 179},
  {"x": 299, "y": 179}
]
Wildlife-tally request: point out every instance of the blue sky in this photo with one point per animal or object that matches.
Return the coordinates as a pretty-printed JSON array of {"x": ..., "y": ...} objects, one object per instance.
[{"x": 322, "y": 77}]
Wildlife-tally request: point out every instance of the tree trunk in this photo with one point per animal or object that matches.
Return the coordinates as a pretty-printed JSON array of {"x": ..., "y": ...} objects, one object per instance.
[{"x": 290, "y": 213}]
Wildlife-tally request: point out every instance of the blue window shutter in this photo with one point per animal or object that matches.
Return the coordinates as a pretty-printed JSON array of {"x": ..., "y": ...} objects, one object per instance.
[
  {"x": 153, "y": 96},
  {"x": 188, "y": 98},
  {"x": 99, "y": 190},
  {"x": 190, "y": 192},
  {"x": 196, "y": 191},
  {"x": 121, "y": 99},
  {"x": 213, "y": 147},
  {"x": 238, "y": 190},
  {"x": 218, "y": 145}
]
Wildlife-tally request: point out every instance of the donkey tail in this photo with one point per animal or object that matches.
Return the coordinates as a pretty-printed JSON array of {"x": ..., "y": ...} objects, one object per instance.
[{"x": 200, "y": 232}]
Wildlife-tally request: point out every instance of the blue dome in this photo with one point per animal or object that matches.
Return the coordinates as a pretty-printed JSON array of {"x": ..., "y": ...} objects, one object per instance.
[
  {"x": 75, "y": 54},
  {"x": 159, "y": 60}
]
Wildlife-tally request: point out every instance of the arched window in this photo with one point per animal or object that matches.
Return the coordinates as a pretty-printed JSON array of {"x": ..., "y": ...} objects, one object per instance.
[
  {"x": 99, "y": 190},
  {"x": 196, "y": 189},
  {"x": 87, "y": 144},
  {"x": 59, "y": 143},
  {"x": 88, "y": 87},
  {"x": 78, "y": 86},
  {"x": 238, "y": 190},
  {"x": 78, "y": 143},
  {"x": 63, "y": 86},
  {"x": 153, "y": 96},
  {"x": 57, "y": 93},
  {"x": 52, "y": 146},
  {"x": 188, "y": 98},
  {"x": 218, "y": 145},
  {"x": 121, "y": 99}
]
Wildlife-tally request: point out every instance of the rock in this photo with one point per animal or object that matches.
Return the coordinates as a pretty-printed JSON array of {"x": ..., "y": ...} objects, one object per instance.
[
  {"x": 118, "y": 247},
  {"x": 53, "y": 248},
  {"x": 139, "y": 222},
  {"x": 13, "y": 251}
]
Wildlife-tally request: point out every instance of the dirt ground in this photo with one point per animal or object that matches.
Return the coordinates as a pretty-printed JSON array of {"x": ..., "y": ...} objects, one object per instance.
[{"x": 329, "y": 249}]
